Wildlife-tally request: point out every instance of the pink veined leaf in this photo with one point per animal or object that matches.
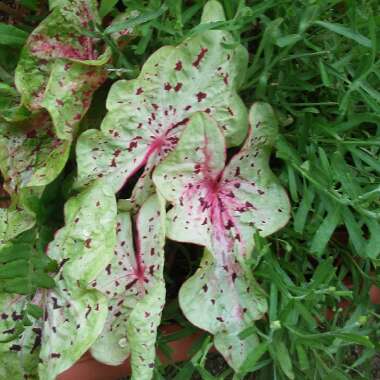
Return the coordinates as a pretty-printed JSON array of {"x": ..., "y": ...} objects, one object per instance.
[
  {"x": 148, "y": 114},
  {"x": 133, "y": 282},
  {"x": 221, "y": 206},
  {"x": 60, "y": 67}
]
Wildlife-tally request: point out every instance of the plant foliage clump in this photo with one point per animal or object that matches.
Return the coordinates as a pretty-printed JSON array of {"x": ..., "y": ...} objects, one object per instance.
[{"x": 213, "y": 164}]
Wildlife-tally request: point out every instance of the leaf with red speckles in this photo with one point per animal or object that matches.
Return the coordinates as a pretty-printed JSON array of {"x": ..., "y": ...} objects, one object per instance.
[
  {"x": 74, "y": 317},
  {"x": 89, "y": 215},
  {"x": 134, "y": 284},
  {"x": 18, "y": 356},
  {"x": 221, "y": 206},
  {"x": 148, "y": 114},
  {"x": 60, "y": 67},
  {"x": 224, "y": 301},
  {"x": 30, "y": 154},
  {"x": 75, "y": 313}
]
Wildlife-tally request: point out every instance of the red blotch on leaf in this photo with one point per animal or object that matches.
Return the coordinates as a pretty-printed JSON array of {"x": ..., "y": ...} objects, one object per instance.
[
  {"x": 200, "y": 96},
  {"x": 200, "y": 56},
  {"x": 178, "y": 66},
  {"x": 178, "y": 86}
]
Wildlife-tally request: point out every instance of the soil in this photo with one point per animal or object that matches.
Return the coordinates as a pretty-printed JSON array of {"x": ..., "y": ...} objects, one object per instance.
[{"x": 376, "y": 368}]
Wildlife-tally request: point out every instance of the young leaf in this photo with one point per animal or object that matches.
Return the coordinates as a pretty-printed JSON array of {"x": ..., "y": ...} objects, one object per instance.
[
  {"x": 133, "y": 282},
  {"x": 147, "y": 115}
]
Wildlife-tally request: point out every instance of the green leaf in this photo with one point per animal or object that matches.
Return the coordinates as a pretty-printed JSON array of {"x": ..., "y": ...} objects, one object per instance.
[
  {"x": 30, "y": 4},
  {"x": 106, "y": 7},
  {"x": 290, "y": 39},
  {"x": 345, "y": 32},
  {"x": 302, "y": 357},
  {"x": 285, "y": 362},
  {"x": 135, "y": 21},
  {"x": 325, "y": 231},
  {"x": 354, "y": 339},
  {"x": 253, "y": 357},
  {"x": 10, "y": 35}
]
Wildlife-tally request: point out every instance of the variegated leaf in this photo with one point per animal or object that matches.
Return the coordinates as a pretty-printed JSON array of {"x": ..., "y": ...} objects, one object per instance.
[
  {"x": 75, "y": 314},
  {"x": 134, "y": 284},
  {"x": 30, "y": 154},
  {"x": 147, "y": 115},
  {"x": 224, "y": 302},
  {"x": 60, "y": 67},
  {"x": 221, "y": 206},
  {"x": 20, "y": 345}
]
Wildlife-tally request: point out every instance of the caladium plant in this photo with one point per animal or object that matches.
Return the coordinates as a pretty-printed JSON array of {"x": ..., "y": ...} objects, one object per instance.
[{"x": 175, "y": 123}]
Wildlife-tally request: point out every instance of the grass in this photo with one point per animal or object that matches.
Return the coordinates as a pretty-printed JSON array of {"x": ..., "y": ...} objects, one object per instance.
[{"x": 318, "y": 63}]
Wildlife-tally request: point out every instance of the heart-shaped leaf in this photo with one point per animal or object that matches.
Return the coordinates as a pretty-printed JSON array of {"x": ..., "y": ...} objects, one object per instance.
[
  {"x": 148, "y": 114},
  {"x": 221, "y": 206},
  {"x": 133, "y": 282}
]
